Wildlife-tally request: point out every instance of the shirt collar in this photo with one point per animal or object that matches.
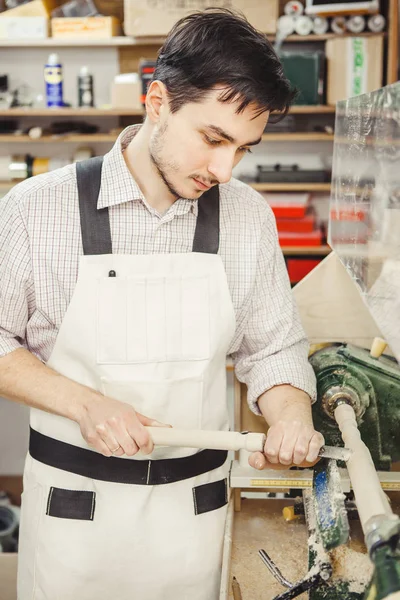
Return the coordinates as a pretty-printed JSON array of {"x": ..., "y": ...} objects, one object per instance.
[
  {"x": 119, "y": 186},
  {"x": 117, "y": 182}
]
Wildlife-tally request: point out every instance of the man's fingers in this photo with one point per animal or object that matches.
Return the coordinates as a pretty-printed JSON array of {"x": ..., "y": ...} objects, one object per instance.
[
  {"x": 140, "y": 435},
  {"x": 118, "y": 429},
  {"x": 273, "y": 444},
  {"x": 286, "y": 452},
  {"x": 108, "y": 438},
  {"x": 316, "y": 442},
  {"x": 301, "y": 449},
  {"x": 257, "y": 460},
  {"x": 98, "y": 439}
]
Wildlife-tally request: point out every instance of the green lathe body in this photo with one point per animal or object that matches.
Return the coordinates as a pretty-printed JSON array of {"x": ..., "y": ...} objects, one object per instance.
[{"x": 376, "y": 383}]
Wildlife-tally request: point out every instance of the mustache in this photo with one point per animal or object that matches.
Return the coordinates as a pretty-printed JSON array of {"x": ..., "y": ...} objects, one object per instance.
[{"x": 206, "y": 181}]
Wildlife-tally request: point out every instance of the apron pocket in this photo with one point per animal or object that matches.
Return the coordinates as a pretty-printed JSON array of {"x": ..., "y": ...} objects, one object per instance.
[
  {"x": 210, "y": 496},
  {"x": 152, "y": 319},
  {"x": 71, "y": 504}
]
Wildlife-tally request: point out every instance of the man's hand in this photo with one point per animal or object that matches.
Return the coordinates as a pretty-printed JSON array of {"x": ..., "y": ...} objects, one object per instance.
[
  {"x": 109, "y": 426},
  {"x": 114, "y": 428},
  {"x": 291, "y": 438},
  {"x": 288, "y": 443}
]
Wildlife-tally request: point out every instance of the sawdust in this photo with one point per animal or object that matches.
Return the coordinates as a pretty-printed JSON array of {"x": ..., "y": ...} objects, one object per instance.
[
  {"x": 260, "y": 525},
  {"x": 352, "y": 566}
]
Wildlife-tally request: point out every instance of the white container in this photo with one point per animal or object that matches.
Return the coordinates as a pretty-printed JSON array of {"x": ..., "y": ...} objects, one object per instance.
[{"x": 17, "y": 28}]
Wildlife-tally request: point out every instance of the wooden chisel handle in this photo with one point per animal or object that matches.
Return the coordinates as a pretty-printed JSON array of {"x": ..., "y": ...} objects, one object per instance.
[{"x": 211, "y": 440}]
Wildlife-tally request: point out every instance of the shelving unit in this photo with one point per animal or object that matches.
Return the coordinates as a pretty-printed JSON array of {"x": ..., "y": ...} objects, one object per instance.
[
  {"x": 120, "y": 112},
  {"x": 51, "y": 139},
  {"x": 306, "y": 250},
  {"x": 119, "y": 41},
  {"x": 130, "y": 50},
  {"x": 110, "y": 137},
  {"x": 69, "y": 112},
  {"x": 291, "y": 187},
  {"x": 298, "y": 137}
]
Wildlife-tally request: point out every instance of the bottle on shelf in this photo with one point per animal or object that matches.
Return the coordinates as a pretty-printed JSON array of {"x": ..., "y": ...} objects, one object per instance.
[
  {"x": 53, "y": 77},
  {"x": 85, "y": 88}
]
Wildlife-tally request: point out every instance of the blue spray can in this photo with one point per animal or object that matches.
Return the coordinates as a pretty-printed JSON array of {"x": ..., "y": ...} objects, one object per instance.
[{"x": 54, "y": 81}]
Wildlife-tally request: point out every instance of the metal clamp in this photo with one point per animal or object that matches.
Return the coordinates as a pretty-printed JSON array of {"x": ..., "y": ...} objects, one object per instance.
[{"x": 311, "y": 581}]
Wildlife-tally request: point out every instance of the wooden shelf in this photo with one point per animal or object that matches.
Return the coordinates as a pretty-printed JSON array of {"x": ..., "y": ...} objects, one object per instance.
[
  {"x": 291, "y": 187},
  {"x": 69, "y": 112},
  {"x": 51, "y": 139},
  {"x": 261, "y": 187},
  {"x": 312, "y": 109},
  {"x": 110, "y": 138},
  {"x": 117, "y": 112},
  {"x": 298, "y": 137},
  {"x": 116, "y": 42},
  {"x": 302, "y": 250},
  {"x": 328, "y": 36},
  {"x": 122, "y": 40}
]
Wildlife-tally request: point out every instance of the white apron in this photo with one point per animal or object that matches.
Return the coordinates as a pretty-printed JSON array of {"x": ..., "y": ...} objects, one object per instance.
[{"x": 152, "y": 331}]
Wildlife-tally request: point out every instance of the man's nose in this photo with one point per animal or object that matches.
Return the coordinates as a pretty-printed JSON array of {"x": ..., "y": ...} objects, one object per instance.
[{"x": 221, "y": 167}]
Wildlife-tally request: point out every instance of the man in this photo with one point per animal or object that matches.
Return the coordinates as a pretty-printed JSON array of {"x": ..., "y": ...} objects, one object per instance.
[{"x": 124, "y": 285}]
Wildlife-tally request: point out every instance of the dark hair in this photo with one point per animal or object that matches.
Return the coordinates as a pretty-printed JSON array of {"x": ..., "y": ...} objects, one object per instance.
[{"x": 219, "y": 46}]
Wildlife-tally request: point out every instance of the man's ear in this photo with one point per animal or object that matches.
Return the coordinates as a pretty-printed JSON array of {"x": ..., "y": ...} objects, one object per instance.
[{"x": 156, "y": 101}]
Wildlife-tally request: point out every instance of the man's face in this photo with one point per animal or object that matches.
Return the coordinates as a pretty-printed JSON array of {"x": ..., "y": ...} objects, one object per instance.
[{"x": 198, "y": 146}]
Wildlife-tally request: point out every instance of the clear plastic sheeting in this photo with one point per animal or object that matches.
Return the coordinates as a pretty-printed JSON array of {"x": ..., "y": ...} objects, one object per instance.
[{"x": 364, "y": 224}]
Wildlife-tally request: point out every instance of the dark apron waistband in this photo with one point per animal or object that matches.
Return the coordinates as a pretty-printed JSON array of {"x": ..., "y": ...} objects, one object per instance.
[{"x": 93, "y": 465}]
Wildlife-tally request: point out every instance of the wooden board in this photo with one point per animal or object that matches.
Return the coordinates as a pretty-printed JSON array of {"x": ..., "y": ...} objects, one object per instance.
[{"x": 331, "y": 307}]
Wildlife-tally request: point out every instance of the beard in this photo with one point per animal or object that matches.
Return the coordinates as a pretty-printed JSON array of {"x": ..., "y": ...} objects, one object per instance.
[{"x": 165, "y": 168}]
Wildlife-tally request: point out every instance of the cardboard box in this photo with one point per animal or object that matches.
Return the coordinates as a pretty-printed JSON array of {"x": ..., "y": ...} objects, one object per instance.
[
  {"x": 111, "y": 8},
  {"x": 354, "y": 66},
  {"x": 126, "y": 95},
  {"x": 36, "y": 8},
  {"x": 156, "y": 17},
  {"x": 19, "y": 28},
  {"x": 85, "y": 27}
]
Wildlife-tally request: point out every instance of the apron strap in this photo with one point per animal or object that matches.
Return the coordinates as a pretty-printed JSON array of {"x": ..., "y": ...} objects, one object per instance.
[
  {"x": 206, "y": 236},
  {"x": 95, "y": 223}
]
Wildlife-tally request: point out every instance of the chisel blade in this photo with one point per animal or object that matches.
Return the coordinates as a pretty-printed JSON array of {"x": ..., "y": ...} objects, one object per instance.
[{"x": 335, "y": 452}]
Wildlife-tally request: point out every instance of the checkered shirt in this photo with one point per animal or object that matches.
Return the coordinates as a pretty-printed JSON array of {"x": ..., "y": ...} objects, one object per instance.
[{"x": 40, "y": 246}]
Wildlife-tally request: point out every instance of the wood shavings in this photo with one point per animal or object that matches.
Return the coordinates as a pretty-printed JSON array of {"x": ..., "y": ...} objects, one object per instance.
[
  {"x": 260, "y": 525},
  {"x": 352, "y": 566}
]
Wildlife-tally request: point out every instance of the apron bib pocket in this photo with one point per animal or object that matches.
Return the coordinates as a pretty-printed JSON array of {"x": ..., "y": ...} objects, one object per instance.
[
  {"x": 71, "y": 504},
  {"x": 210, "y": 496},
  {"x": 152, "y": 319}
]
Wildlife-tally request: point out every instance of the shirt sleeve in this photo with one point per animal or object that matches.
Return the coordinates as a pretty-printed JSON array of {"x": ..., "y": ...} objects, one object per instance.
[
  {"x": 16, "y": 282},
  {"x": 274, "y": 348}
]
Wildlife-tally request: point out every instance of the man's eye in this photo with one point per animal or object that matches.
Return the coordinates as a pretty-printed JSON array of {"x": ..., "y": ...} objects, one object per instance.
[
  {"x": 211, "y": 141},
  {"x": 243, "y": 150}
]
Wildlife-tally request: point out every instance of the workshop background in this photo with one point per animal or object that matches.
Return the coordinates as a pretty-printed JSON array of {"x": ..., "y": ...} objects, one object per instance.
[{"x": 73, "y": 75}]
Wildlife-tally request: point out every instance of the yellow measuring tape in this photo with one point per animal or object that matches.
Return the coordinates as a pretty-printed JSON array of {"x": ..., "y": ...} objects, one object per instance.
[{"x": 300, "y": 483}]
